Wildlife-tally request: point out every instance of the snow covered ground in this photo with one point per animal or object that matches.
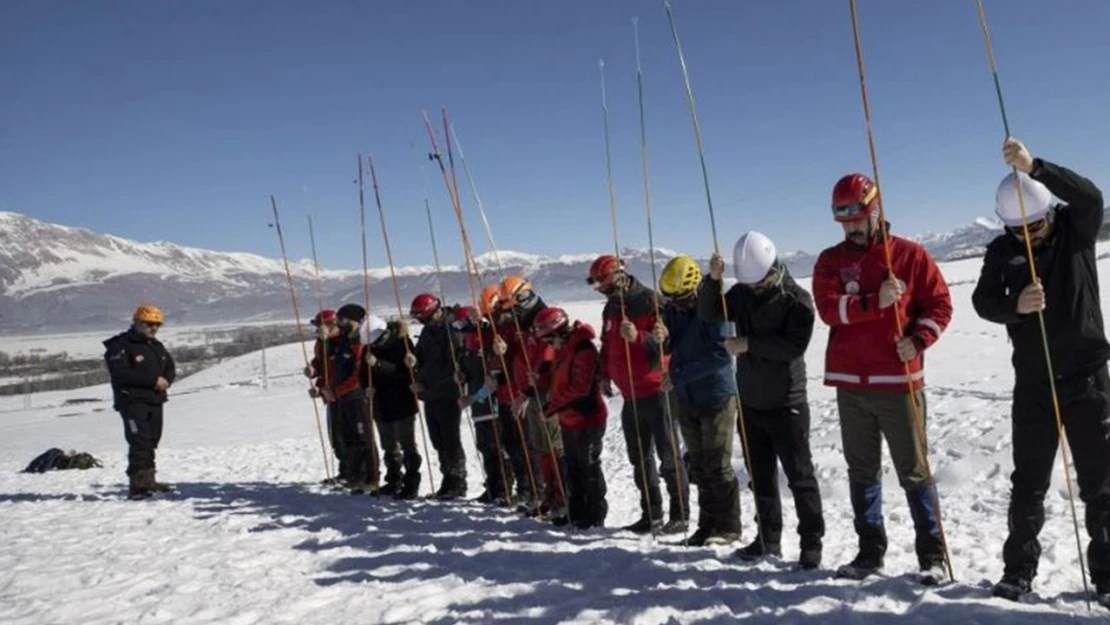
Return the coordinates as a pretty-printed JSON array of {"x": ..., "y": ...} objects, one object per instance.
[{"x": 250, "y": 537}]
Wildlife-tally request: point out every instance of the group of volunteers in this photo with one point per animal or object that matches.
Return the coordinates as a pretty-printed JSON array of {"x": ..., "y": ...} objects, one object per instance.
[{"x": 697, "y": 363}]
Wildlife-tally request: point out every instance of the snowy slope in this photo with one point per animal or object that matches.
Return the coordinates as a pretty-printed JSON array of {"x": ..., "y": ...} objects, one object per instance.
[
  {"x": 55, "y": 278},
  {"x": 251, "y": 538}
]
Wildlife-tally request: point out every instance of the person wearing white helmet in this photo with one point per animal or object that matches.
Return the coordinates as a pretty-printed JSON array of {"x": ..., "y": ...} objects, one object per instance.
[
  {"x": 774, "y": 323},
  {"x": 1066, "y": 293}
]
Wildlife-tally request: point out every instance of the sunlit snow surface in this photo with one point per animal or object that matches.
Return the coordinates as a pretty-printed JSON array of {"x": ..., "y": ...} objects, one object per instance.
[{"x": 251, "y": 537}]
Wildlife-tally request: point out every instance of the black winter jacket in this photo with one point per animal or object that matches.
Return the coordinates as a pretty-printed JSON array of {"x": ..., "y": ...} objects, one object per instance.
[
  {"x": 435, "y": 371},
  {"x": 393, "y": 399},
  {"x": 135, "y": 364},
  {"x": 778, "y": 325},
  {"x": 1066, "y": 266}
]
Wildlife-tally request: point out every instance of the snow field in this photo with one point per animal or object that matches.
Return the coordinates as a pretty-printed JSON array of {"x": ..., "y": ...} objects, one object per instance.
[{"x": 251, "y": 537}]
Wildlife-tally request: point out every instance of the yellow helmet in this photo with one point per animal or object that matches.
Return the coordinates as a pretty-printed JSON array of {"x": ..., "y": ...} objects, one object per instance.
[
  {"x": 680, "y": 277},
  {"x": 148, "y": 313}
]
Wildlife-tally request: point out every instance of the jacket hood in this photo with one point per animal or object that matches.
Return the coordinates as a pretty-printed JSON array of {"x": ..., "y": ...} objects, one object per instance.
[{"x": 581, "y": 331}]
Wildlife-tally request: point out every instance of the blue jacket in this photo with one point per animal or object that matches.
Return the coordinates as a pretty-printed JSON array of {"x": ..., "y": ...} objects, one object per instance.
[{"x": 700, "y": 368}]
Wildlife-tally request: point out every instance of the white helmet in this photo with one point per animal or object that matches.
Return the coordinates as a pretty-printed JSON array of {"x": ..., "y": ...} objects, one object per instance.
[
  {"x": 1038, "y": 200},
  {"x": 371, "y": 329},
  {"x": 752, "y": 257}
]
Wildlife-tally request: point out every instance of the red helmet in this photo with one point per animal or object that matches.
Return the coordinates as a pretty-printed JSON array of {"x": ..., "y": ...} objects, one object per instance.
[
  {"x": 324, "y": 316},
  {"x": 603, "y": 269},
  {"x": 854, "y": 198},
  {"x": 424, "y": 306},
  {"x": 549, "y": 321},
  {"x": 464, "y": 317}
]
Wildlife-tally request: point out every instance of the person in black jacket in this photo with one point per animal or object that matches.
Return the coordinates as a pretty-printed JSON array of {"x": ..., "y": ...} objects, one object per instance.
[
  {"x": 141, "y": 371},
  {"x": 395, "y": 410},
  {"x": 1066, "y": 294},
  {"x": 435, "y": 385},
  {"x": 774, "y": 323},
  {"x": 489, "y": 438},
  {"x": 349, "y": 384},
  {"x": 699, "y": 375}
]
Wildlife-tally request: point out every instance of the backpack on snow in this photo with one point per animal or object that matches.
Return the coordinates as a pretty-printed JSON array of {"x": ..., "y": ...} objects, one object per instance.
[{"x": 55, "y": 459}]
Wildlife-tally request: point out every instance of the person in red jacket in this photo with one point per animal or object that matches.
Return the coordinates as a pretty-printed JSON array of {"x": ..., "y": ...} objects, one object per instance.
[
  {"x": 873, "y": 368},
  {"x": 350, "y": 379},
  {"x": 514, "y": 438},
  {"x": 575, "y": 399},
  {"x": 529, "y": 368},
  {"x": 628, "y": 320},
  {"x": 320, "y": 371}
]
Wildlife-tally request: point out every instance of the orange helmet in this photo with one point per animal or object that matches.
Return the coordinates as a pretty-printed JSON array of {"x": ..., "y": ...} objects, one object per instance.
[
  {"x": 149, "y": 313},
  {"x": 490, "y": 300},
  {"x": 511, "y": 290}
]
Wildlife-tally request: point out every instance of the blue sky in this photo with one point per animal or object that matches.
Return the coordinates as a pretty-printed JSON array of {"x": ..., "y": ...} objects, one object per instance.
[{"x": 175, "y": 120}]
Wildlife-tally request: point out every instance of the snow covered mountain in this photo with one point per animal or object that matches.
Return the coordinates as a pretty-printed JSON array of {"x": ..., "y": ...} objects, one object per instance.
[{"x": 55, "y": 277}]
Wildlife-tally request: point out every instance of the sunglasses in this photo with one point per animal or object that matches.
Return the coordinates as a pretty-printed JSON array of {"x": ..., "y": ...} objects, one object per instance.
[
  {"x": 850, "y": 210},
  {"x": 683, "y": 300},
  {"x": 1034, "y": 227},
  {"x": 152, "y": 324}
]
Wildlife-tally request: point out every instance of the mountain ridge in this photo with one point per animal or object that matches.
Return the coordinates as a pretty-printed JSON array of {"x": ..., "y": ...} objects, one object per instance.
[{"x": 56, "y": 277}]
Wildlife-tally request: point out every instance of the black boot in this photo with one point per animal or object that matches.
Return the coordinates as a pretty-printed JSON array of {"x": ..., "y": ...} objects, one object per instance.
[
  {"x": 810, "y": 557},
  {"x": 759, "y": 549},
  {"x": 867, "y": 505},
  {"x": 410, "y": 487},
  {"x": 644, "y": 526},
  {"x": 1012, "y": 587}
]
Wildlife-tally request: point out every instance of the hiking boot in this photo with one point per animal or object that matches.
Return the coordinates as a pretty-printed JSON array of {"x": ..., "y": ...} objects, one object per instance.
[
  {"x": 859, "y": 568},
  {"x": 933, "y": 574},
  {"x": 699, "y": 538},
  {"x": 408, "y": 492},
  {"x": 159, "y": 487},
  {"x": 810, "y": 557},
  {"x": 449, "y": 491},
  {"x": 674, "y": 526},
  {"x": 560, "y": 517},
  {"x": 644, "y": 526},
  {"x": 140, "y": 485},
  {"x": 1012, "y": 587},
  {"x": 389, "y": 490},
  {"x": 486, "y": 497},
  {"x": 758, "y": 549},
  {"x": 1102, "y": 593}
]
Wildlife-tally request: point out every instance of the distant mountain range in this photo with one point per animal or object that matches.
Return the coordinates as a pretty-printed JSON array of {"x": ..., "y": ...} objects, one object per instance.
[{"x": 58, "y": 278}]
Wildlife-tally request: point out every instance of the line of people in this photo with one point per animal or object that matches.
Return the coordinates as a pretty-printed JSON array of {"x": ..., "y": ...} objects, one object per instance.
[{"x": 713, "y": 363}]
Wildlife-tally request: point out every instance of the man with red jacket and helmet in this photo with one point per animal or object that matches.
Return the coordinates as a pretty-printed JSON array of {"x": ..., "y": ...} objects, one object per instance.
[
  {"x": 867, "y": 361},
  {"x": 319, "y": 371},
  {"x": 628, "y": 319},
  {"x": 349, "y": 383},
  {"x": 435, "y": 384},
  {"x": 477, "y": 348},
  {"x": 530, "y": 364},
  {"x": 513, "y": 437},
  {"x": 575, "y": 399}
]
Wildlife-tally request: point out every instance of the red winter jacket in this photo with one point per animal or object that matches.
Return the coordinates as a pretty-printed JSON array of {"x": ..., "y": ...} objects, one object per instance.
[
  {"x": 324, "y": 371},
  {"x": 647, "y": 374},
  {"x": 861, "y": 353},
  {"x": 575, "y": 393}
]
